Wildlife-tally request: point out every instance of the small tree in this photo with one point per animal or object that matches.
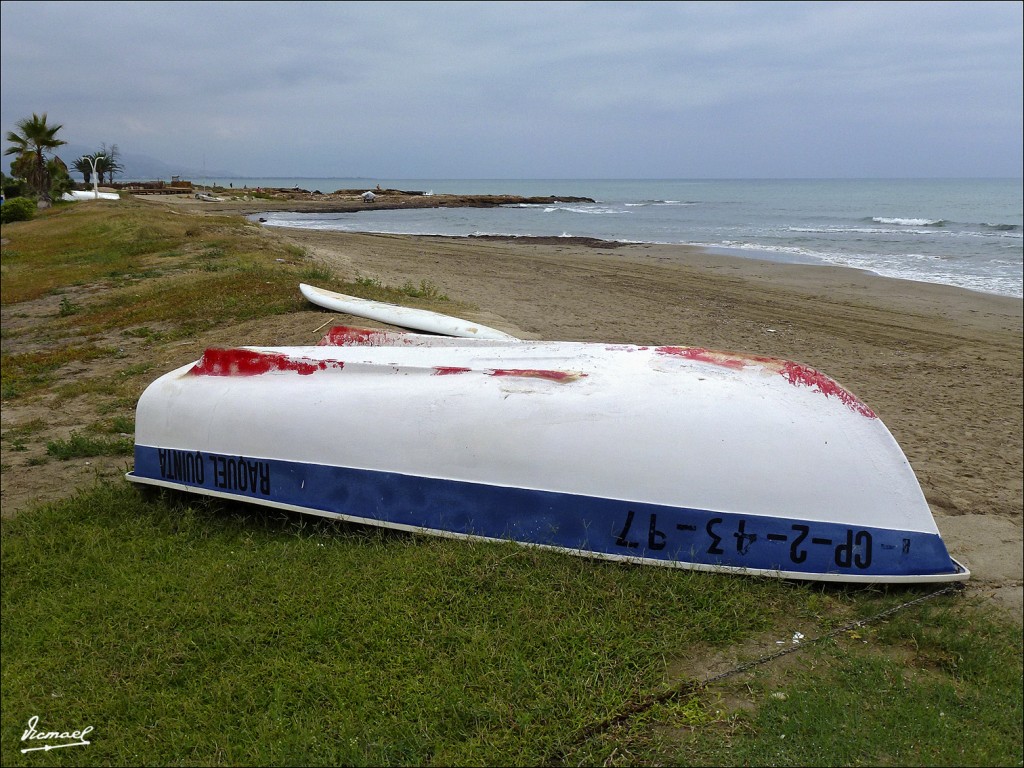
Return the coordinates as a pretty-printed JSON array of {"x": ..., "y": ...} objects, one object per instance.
[
  {"x": 60, "y": 181},
  {"x": 23, "y": 167},
  {"x": 36, "y": 140},
  {"x": 11, "y": 187}
]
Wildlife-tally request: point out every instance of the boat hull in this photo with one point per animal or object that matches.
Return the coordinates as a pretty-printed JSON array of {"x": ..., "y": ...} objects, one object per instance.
[
  {"x": 670, "y": 455},
  {"x": 77, "y": 195}
]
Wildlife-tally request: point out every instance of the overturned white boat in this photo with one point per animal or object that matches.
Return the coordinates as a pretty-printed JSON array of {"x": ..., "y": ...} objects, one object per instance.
[
  {"x": 675, "y": 456},
  {"x": 79, "y": 195}
]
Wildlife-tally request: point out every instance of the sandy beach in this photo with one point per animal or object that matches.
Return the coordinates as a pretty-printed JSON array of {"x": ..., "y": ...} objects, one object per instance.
[{"x": 941, "y": 366}]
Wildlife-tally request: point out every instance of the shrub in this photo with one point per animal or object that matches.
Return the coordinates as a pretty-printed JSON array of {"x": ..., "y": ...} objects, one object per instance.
[
  {"x": 60, "y": 182},
  {"x": 18, "y": 209},
  {"x": 13, "y": 188}
]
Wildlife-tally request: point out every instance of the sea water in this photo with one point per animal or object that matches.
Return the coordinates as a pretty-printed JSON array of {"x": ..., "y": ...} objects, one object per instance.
[{"x": 961, "y": 232}]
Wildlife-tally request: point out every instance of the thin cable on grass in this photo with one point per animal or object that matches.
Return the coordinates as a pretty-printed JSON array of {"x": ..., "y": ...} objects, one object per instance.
[{"x": 693, "y": 687}]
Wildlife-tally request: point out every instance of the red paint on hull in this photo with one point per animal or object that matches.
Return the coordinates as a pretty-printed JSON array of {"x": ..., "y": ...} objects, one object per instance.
[
  {"x": 794, "y": 373},
  {"x": 347, "y": 336},
  {"x": 724, "y": 359},
  {"x": 246, "y": 362},
  {"x": 802, "y": 375}
]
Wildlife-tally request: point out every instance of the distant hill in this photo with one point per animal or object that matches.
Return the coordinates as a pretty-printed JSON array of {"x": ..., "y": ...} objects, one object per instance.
[{"x": 136, "y": 167}]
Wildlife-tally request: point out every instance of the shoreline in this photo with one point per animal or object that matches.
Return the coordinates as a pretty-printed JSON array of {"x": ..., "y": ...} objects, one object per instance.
[
  {"x": 348, "y": 201},
  {"x": 742, "y": 254},
  {"x": 942, "y": 298},
  {"x": 769, "y": 257},
  {"x": 834, "y": 282}
]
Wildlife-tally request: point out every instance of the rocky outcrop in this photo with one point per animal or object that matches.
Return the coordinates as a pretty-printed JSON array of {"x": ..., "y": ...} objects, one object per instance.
[{"x": 266, "y": 199}]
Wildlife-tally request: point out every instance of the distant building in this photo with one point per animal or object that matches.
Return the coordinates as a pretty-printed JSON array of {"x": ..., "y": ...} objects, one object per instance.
[{"x": 368, "y": 197}]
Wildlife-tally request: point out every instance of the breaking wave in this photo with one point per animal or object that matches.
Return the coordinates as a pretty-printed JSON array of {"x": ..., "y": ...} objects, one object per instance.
[
  {"x": 643, "y": 203},
  {"x": 901, "y": 222},
  {"x": 592, "y": 210}
]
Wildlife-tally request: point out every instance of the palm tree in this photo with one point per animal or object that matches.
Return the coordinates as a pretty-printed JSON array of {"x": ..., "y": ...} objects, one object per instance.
[
  {"x": 83, "y": 166},
  {"x": 106, "y": 163},
  {"x": 34, "y": 141}
]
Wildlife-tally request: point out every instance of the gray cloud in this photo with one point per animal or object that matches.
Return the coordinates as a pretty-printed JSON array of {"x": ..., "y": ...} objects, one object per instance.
[{"x": 539, "y": 90}]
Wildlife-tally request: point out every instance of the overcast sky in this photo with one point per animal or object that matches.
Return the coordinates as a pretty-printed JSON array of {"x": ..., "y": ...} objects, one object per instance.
[{"x": 529, "y": 90}]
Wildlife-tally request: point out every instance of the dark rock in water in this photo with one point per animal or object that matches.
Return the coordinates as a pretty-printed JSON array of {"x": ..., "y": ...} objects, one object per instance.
[{"x": 589, "y": 242}]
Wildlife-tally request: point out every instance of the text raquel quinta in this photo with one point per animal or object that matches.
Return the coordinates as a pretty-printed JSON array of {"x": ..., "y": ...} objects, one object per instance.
[{"x": 227, "y": 473}]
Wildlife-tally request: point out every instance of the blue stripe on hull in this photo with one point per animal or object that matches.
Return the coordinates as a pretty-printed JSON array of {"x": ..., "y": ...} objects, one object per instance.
[{"x": 605, "y": 527}]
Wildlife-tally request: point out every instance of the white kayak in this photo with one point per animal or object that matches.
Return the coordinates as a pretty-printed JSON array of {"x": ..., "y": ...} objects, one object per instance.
[
  {"x": 404, "y": 317},
  {"x": 675, "y": 456}
]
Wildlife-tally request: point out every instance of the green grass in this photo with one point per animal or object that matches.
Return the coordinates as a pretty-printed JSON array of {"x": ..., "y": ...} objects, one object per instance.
[
  {"x": 192, "y": 633},
  {"x": 372, "y": 288},
  {"x": 82, "y": 446},
  {"x": 425, "y": 290},
  {"x": 214, "y": 271},
  {"x": 116, "y": 425},
  {"x": 67, "y": 307},
  {"x": 293, "y": 642},
  {"x": 317, "y": 274},
  {"x": 70, "y": 245},
  {"x": 234, "y": 294},
  {"x": 933, "y": 687},
  {"x": 25, "y": 430},
  {"x": 26, "y": 372}
]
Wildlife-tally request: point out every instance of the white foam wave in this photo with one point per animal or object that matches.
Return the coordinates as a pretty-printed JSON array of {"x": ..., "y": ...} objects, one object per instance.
[
  {"x": 861, "y": 231},
  {"x": 919, "y": 267},
  {"x": 590, "y": 211},
  {"x": 907, "y": 230},
  {"x": 907, "y": 222},
  {"x": 792, "y": 251},
  {"x": 644, "y": 203}
]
